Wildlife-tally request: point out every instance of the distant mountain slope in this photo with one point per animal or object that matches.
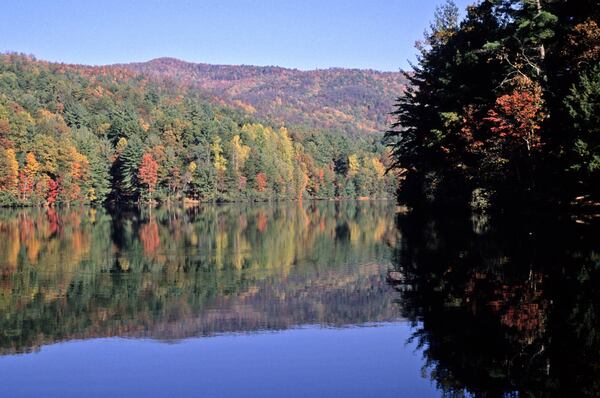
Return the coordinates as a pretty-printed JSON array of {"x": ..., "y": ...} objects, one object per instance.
[{"x": 352, "y": 101}]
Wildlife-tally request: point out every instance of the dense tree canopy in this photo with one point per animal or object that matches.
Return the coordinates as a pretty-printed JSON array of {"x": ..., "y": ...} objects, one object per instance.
[
  {"x": 77, "y": 134},
  {"x": 344, "y": 101},
  {"x": 503, "y": 106}
]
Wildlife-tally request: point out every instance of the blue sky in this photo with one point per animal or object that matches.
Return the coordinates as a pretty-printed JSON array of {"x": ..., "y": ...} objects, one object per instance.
[{"x": 304, "y": 34}]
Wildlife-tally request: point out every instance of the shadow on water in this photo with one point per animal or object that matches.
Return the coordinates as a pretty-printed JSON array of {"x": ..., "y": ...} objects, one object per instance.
[{"x": 505, "y": 308}]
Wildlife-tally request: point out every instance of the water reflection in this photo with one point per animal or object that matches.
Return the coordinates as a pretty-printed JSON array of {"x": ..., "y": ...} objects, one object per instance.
[
  {"x": 509, "y": 308},
  {"x": 174, "y": 273},
  {"x": 504, "y": 308}
]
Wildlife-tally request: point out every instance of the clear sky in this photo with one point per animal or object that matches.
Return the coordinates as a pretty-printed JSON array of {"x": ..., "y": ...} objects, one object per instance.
[{"x": 304, "y": 34}]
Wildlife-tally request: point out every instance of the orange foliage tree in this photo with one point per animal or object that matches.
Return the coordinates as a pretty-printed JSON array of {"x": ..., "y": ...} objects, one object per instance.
[
  {"x": 75, "y": 177},
  {"x": 28, "y": 177},
  {"x": 148, "y": 173},
  {"x": 261, "y": 181},
  {"x": 517, "y": 116}
]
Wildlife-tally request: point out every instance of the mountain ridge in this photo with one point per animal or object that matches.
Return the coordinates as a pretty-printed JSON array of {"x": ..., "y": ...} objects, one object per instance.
[
  {"x": 183, "y": 61},
  {"x": 348, "y": 101}
]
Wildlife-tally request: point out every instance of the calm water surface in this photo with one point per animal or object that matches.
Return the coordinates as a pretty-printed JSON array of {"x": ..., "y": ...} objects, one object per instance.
[{"x": 320, "y": 299}]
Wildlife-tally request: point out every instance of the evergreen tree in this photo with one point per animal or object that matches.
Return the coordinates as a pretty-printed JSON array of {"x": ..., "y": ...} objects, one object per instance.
[
  {"x": 127, "y": 169},
  {"x": 492, "y": 112}
]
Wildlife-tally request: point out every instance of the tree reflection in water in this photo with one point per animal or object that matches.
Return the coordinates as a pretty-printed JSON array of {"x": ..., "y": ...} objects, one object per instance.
[
  {"x": 176, "y": 273},
  {"x": 503, "y": 308},
  {"x": 499, "y": 308}
]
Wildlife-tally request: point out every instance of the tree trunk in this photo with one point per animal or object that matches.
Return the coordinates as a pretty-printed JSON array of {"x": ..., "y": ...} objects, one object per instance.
[{"x": 538, "y": 3}]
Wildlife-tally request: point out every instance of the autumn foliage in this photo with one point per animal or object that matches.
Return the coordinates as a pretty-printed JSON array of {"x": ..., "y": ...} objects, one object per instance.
[
  {"x": 261, "y": 182},
  {"x": 148, "y": 173},
  {"x": 517, "y": 116},
  {"x": 109, "y": 133},
  {"x": 503, "y": 108}
]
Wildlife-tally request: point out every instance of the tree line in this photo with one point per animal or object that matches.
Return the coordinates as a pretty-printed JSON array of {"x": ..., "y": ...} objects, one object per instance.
[
  {"x": 78, "y": 134},
  {"x": 503, "y": 107}
]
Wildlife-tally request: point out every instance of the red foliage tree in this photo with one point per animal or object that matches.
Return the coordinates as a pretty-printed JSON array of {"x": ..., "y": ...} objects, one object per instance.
[
  {"x": 148, "y": 172},
  {"x": 261, "y": 181},
  {"x": 517, "y": 116},
  {"x": 52, "y": 191}
]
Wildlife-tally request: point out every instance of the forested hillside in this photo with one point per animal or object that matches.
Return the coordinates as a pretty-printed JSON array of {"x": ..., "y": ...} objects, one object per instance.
[
  {"x": 344, "y": 101},
  {"x": 504, "y": 107},
  {"x": 79, "y": 134}
]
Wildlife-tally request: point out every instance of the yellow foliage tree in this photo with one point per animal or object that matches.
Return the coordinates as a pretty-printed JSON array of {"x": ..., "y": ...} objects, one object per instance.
[
  {"x": 51, "y": 123},
  {"x": 219, "y": 160},
  {"x": 239, "y": 153},
  {"x": 285, "y": 143},
  {"x": 121, "y": 145},
  {"x": 9, "y": 170},
  {"x": 29, "y": 177},
  {"x": 353, "y": 164},
  {"x": 32, "y": 166},
  {"x": 379, "y": 168},
  {"x": 77, "y": 175}
]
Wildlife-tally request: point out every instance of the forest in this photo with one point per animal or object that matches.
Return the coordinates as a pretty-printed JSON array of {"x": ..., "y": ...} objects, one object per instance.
[
  {"x": 503, "y": 109},
  {"x": 91, "y": 135},
  {"x": 338, "y": 100}
]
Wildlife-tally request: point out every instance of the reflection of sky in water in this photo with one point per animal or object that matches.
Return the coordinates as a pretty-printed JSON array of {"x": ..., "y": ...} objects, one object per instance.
[
  {"x": 501, "y": 309},
  {"x": 116, "y": 304},
  {"x": 307, "y": 362}
]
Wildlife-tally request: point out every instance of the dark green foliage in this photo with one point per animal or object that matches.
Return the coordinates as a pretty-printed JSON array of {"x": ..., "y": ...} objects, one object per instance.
[
  {"x": 124, "y": 124},
  {"x": 98, "y": 151},
  {"x": 502, "y": 106},
  {"x": 128, "y": 165},
  {"x": 584, "y": 107},
  {"x": 203, "y": 185}
]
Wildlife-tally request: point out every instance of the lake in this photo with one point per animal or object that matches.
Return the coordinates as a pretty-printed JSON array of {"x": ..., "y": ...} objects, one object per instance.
[{"x": 295, "y": 299}]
